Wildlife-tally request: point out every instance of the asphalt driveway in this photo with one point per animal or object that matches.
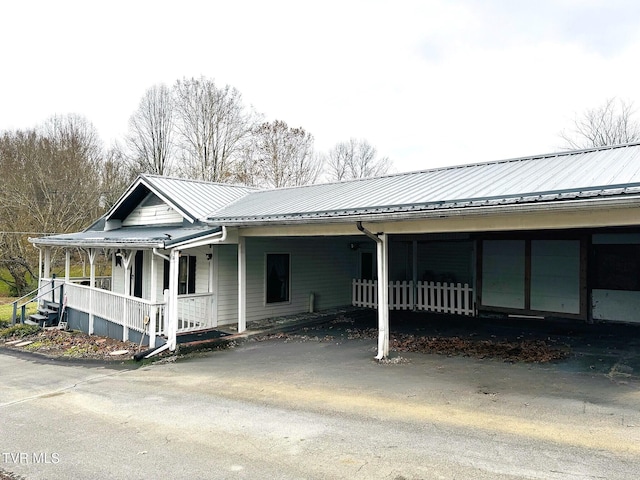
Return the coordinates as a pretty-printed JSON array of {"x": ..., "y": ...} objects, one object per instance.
[{"x": 314, "y": 404}]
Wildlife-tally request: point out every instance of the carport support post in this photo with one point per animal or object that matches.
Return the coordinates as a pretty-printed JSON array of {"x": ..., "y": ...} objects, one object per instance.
[
  {"x": 242, "y": 285},
  {"x": 382, "y": 251}
]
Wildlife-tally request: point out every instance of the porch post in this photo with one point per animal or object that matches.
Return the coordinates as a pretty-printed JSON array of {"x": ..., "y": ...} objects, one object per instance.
[
  {"x": 382, "y": 250},
  {"x": 67, "y": 264},
  {"x": 92, "y": 282},
  {"x": 172, "y": 317},
  {"x": 153, "y": 297},
  {"x": 126, "y": 263},
  {"x": 242, "y": 285},
  {"x": 47, "y": 263}
]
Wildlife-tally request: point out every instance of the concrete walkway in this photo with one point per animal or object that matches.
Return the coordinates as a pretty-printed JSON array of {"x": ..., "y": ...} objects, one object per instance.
[{"x": 603, "y": 348}]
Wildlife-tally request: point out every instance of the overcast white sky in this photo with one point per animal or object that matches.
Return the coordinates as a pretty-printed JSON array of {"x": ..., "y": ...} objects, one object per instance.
[{"x": 428, "y": 82}]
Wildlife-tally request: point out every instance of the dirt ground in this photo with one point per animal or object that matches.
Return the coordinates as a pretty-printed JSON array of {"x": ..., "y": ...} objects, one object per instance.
[{"x": 72, "y": 344}]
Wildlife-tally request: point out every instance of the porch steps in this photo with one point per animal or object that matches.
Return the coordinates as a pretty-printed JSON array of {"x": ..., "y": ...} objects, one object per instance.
[{"x": 48, "y": 315}]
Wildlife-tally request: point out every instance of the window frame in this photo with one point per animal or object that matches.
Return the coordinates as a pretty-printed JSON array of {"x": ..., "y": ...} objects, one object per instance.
[
  {"x": 268, "y": 300},
  {"x": 188, "y": 278}
]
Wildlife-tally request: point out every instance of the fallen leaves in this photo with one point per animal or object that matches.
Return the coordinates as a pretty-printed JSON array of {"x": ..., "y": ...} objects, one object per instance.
[
  {"x": 74, "y": 344},
  {"x": 530, "y": 351}
]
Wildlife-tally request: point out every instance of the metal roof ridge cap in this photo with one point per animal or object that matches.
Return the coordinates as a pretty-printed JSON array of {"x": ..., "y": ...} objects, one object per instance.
[{"x": 197, "y": 180}]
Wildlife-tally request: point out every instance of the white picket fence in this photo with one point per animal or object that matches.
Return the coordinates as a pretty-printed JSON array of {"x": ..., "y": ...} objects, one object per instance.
[{"x": 438, "y": 297}]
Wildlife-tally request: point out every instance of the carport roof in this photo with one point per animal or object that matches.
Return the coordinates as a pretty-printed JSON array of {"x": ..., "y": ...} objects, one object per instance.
[{"x": 576, "y": 175}]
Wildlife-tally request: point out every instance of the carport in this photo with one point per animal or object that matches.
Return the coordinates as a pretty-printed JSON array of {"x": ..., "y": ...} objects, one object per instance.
[{"x": 536, "y": 237}]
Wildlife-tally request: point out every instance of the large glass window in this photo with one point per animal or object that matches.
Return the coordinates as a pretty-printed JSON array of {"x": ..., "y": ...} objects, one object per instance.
[{"x": 277, "y": 277}]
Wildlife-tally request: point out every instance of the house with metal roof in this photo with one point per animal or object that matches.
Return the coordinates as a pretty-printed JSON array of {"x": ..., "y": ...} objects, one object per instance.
[{"x": 554, "y": 235}]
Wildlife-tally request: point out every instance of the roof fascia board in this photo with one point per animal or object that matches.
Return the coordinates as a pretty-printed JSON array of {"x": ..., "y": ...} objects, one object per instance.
[{"x": 94, "y": 243}]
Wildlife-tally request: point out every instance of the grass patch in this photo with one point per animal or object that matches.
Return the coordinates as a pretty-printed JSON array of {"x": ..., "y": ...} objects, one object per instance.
[
  {"x": 79, "y": 350},
  {"x": 38, "y": 344},
  {"x": 19, "y": 331},
  {"x": 6, "y": 310}
]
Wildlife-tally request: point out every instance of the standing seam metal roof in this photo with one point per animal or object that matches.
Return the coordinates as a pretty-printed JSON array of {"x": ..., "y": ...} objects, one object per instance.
[{"x": 605, "y": 171}]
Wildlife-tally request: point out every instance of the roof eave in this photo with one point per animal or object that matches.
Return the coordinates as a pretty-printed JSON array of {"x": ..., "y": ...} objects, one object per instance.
[{"x": 557, "y": 205}]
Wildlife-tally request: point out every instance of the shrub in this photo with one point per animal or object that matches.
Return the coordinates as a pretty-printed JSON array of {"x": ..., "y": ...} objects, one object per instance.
[{"x": 19, "y": 331}]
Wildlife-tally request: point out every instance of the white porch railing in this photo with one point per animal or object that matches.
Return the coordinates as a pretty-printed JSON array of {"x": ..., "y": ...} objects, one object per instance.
[
  {"x": 195, "y": 312},
  {"x": 428, "y": 296},
  {"x": 129, "y": 312}
]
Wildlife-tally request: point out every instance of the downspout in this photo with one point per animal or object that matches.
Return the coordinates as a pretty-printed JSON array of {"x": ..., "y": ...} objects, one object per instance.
[
  {"x": 369, "y": 234},
  {"x": 383, "y": 292},
  {"x": 158, "y": 254}
]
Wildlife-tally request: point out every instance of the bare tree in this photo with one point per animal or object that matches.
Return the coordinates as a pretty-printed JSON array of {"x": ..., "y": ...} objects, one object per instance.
[
  {"x": 49, "y": 176},
  {"x": 212, "y": 125},
  {"x": 150, "y": 132},
  {"x": 283, "y": 156},
  {"x": 611, "y": 123},
  {"x": 115, "y": 176},
  {"x": 355, "y": 159}
]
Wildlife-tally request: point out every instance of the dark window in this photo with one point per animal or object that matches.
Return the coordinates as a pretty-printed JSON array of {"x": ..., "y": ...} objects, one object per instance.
[
  {"x": 277, "y": 276},
  {"x": 165, "y": 276},
  {"x": 616, "y": 267},
  {"x": 186, "y": 274},
  {"x": 366, "y": 266}
]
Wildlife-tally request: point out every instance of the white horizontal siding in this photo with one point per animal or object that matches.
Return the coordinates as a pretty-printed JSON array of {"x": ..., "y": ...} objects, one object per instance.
[
  {"x": 202, "y": 267},
  {"x": 319, "y": 265},
  {"x": 117, "y": 277},
  {"x": 152, "y": 215}
]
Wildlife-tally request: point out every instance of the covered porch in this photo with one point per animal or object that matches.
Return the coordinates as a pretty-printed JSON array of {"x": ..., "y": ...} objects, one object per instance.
[{"x": 155, "y": 290}]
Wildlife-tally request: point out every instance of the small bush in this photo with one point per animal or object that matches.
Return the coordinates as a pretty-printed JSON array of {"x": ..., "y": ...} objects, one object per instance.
[{"x": 19, "y": 331}]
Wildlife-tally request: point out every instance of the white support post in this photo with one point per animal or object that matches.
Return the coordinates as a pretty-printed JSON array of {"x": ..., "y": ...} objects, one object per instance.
[
  {"x": 242, "y": 285},
  {"x": 67, "y": 265},
  {"x": 47, "y": 262},
  {"x": 153, "y": 297},
  {"x": 92, "y": 283},
  {"x": 126, "y": 263},
  {"x": 172, "y": 307},
  {"x": 382, "y": 251}
]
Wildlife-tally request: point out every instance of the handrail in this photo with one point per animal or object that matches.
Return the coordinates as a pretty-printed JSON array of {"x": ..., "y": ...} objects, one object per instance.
[
  {"x": 14, "y": 314},
  {"x": 32, "y": 292}
]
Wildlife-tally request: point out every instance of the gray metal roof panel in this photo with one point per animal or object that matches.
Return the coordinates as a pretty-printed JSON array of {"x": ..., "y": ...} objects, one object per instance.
[
  {"x": 194, "y": 199},
  {"x": 557, "y": 176},
  {"x": 134, "y": 236},
  {"x": 199, "y": 198}
]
